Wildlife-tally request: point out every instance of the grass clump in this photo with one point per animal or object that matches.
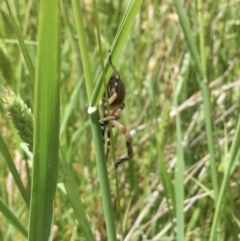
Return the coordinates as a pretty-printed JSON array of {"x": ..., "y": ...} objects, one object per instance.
[{"x": 180, "y": 66}]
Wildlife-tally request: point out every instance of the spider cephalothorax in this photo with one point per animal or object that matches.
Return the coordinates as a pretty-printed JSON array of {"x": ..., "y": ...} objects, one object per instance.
[{"x": 116, "y": 96}]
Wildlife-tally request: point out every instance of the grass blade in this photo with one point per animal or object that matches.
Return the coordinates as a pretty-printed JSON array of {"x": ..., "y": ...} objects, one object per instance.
[
  {"x": 83, "y": 46},
  {"x": 232, "y": 155},
  {"x": 205, "y": 91},
  {"x": 10, "y": 216},
  {"x": 117, "y": 46},
  {"x": 73, "y": 195},
  {"x": 46, "y": 122},
  {"x": 179, "y": 174},
  {"x": 22, "y": 45},
  {"x": 9, "y": 161}
]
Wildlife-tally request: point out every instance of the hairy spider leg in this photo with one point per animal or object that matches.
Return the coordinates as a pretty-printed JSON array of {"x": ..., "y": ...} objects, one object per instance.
[
  {"x": 104, "y": 127},
  {"x": 105, "y": 123},
  {"x": 111, "y": 64},
  {"x": 128, "y": 143},
  {"x": 108, "y": 142},
  {"x": 115, "y": 116}
]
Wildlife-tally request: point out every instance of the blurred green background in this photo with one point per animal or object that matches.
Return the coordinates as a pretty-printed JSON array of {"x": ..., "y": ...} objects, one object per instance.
[{"x": 154, "y": 65}]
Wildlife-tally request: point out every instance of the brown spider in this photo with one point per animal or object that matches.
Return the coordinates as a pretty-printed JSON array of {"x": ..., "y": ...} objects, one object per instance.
[{"x": 116, "y": 95}]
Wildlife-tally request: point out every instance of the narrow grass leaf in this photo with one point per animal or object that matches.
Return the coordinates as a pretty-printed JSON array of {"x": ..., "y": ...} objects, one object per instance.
[
  {"x": 179, "y": 176},
  {"x": 72, "y": 192},
  {"x": 22, "y": 45},
  {"x": 97, "y": 135},
  {"x": 161, "y": 139},
  {"x": 126, "y": 215},
  {"x": 71, "y": 105},
  {"x": 10, "y": 216},
  {"x": 117, "y": 46},
  {"x": 232, "y": 155},
  {"x": 83, "y": 46},
  {"x": 12, "y": 168},
  {"x": 103, "y": 176},
  {"x": 204, "y": 89}
]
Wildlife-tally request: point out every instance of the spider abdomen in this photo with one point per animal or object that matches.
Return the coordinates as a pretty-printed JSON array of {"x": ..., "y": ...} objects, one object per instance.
[{"x": 115, "y": 85}]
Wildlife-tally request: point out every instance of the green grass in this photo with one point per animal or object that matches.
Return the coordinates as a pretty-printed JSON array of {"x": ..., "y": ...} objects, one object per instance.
[{"x": 180, "y": 66}]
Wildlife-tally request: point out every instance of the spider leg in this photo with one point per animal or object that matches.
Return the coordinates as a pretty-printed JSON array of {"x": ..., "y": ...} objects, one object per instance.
[
  {"x": 104, "y": 126},
  {"x": 108, "y": 143},
  {"x": 106, "y": 119},
  {"x": 128, "y": 143},
  {"x": 110, "y": 101},
  {"x": 112, "y": 98},
  {"x": 111, "y": 64},
  {"x": 117, "y": 111}
]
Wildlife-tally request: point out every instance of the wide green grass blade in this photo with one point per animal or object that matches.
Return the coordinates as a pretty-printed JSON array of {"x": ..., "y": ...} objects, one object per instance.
[
  {"x": 46, "y": 122},
  {"x": 12, "y": 168},
  {"x": 10, "y": 216}
]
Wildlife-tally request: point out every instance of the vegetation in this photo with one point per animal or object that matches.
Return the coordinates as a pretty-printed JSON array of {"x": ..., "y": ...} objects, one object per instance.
[{"x": 180, "y": 66}]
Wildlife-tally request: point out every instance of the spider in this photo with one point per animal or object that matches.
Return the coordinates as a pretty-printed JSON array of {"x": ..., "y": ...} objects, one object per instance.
[{"x": 116, "y": 95}]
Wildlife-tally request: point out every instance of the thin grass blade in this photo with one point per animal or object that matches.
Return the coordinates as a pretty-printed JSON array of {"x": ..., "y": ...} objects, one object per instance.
[
  {"x": 117, "y": 46},
  {"x": 9, "y": 161},
  {"x": 22, "y": 45},
  {"x": 10, "y": 216}
]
